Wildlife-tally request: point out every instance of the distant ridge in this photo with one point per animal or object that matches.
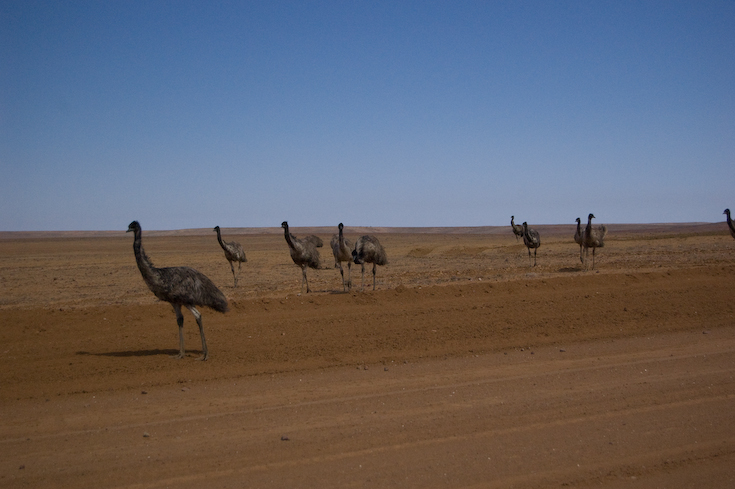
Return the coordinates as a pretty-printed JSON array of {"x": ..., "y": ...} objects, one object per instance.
[{"x": 544, "y": 229}]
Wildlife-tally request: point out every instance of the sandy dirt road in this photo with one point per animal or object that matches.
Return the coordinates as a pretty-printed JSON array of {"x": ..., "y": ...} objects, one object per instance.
[{"x": 466, "y": 368}]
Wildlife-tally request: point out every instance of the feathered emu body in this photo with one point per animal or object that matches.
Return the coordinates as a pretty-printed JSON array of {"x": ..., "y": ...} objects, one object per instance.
[
  {"x": 180, "y": 286},
  {"x": 517, "y": 229},
  {"x": 233, "y": 252},
  {"x": 342, "y": 250},
  {"x": 730, "y": 225},
  {"x": 593, "y": 238},
  {"x": 531, "y": 239},
  {"x": 304, "y": 253},
  {"x": 369, "y": 250}
]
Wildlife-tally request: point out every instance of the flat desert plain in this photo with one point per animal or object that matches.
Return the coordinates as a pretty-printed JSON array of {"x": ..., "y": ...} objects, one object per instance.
[{"x": 464, "y": 368}]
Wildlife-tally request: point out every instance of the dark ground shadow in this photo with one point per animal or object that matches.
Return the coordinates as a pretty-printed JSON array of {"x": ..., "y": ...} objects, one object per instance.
[
  {"x": 571, "y": 269},
  {"x": 138, "y": 353}
]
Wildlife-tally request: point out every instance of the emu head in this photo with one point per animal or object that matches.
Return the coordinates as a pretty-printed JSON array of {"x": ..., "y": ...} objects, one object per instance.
[{"x": 133, "y": 226}]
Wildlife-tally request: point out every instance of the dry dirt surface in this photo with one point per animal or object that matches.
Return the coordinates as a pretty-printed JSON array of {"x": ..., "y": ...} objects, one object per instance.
[{"x": 465, "y": 368}]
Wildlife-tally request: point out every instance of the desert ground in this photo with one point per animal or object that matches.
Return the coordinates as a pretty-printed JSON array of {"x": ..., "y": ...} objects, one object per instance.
[{"x": 465, "y": 367}]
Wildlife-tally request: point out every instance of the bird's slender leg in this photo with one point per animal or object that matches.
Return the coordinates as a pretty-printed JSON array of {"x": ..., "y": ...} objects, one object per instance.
[
  {"x": 534, "y": 256},
  {"x": 342, "y": 272},
  {"x": 180, "y": 322},
  {"x": 349, "y": 274},
  {"x": 593, "y": 258},
  {"x": 198, "y": 317},
  {"x": 374, "y": 266},
  {"x": 304, "y": 279},
  {"x": 233, "y": 273},
  {"x": 362, "y": 280}
]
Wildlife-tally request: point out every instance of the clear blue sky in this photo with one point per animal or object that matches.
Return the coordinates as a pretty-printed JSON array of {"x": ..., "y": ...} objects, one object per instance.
[{"x": 188, "y": 114}]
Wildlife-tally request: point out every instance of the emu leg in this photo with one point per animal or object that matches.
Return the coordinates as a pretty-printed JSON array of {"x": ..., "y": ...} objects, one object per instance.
[
  {"x": 180, "y": 322},
  {"x": 232, "y": 267},
  {"x": 304, "y": 279},
  {"x": 374, "y": 266},
  {"x": 342, "y": 272},
  {"x": 198, "y": 317},
  {"x": 362, "y": 280},
  {"x": 349, "y": 275}
]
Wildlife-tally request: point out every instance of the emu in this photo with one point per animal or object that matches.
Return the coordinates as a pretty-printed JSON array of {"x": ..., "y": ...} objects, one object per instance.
[
  {"x": 341, "y": 250},
  {"x": 233, "y": 252},
  {"x": 304, "y": 253},
  {"x": 369, "y": 250},
  {"x": 730, "y": 225},
  {"x": 179, "y": 286},
  {"x": 531, "y": 239},
  {"x": 517, "y": 230},
  {"x": 578, "y": 236},
  {"x": 593, "y": 238}
]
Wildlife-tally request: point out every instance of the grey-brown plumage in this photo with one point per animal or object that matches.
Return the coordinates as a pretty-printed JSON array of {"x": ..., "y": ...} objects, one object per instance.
[
  {"x": 594, "y": 237},
  {"x": 304, "y": 253},
  {"x": 342, "y": 250},
  {"x": 517, "y": 229},
  {"x": 531, "y": 239},
  {"x": 369, "y": 250},
  {"x": 313, "y": 239},
  {"x": 730, "y": 225},
  {"x": 180, "y": 286},
  {"x": 578, "y": 235},
  {"x": 233, "y": 253}
]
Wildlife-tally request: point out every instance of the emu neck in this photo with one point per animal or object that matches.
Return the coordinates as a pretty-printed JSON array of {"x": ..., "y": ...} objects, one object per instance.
[
  {"x": 288, "y": 237},
  {"x": 144, "y": 263},
  {"x": 219, "y": 238}
]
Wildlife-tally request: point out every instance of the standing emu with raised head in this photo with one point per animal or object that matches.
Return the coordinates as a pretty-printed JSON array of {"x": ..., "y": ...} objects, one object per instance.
[
  {"x": 531, "y": 239},
  {"x": 303, "y": 253},
  {"x": 342, "y": 252},
  {"x": 517, "y": 229},
  {"x": 233, "y": 252},
  {"x": 578, "y": 237},
  {"x": 730, "y": 225},
  {"x": 369, "y": 250},
  {"x": 593, "y": 238},
  {"x": 180, "y": 286}
]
